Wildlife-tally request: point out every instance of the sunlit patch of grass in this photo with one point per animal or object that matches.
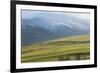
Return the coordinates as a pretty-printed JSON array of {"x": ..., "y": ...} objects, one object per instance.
[{"x": 67, "y": 48}]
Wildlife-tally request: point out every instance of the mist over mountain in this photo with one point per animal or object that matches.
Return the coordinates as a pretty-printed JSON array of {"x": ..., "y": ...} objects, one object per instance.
[{"x": 42, "y": 26}]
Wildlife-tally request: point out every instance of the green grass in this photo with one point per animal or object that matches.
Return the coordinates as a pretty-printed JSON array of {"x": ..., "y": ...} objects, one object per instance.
[{"x": 62, "y": 49}]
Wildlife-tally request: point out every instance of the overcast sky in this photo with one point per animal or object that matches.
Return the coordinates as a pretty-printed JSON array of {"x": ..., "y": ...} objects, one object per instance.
[{"x": 31, "y": 14}]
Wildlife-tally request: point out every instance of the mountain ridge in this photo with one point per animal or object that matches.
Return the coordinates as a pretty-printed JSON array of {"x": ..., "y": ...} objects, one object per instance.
[{"x": 47, "y": 26}]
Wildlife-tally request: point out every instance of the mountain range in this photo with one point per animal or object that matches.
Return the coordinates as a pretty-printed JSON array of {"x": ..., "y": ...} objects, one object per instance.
[{"x": 47, "y": 26}]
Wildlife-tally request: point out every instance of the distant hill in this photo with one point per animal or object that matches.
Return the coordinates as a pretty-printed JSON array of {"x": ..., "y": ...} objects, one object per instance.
[{"x": 47, "y": 26}]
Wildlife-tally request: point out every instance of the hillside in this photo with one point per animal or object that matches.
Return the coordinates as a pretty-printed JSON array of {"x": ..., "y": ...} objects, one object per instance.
[
  {"x": 45, "y": 25},
  {"x": 62, "y": 49}
]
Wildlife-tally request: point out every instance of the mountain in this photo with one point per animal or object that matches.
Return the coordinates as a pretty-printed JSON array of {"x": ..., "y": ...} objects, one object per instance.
[
  {"x": 48, "y": 26},
  {"x": 67, "y": 48}
]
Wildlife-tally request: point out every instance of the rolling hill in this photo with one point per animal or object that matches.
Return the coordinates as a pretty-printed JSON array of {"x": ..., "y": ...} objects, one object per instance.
[{"x": 75, "y": 47}]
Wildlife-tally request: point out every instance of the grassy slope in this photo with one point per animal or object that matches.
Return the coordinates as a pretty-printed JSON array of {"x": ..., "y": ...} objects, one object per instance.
[{"x": 67, "y": 48}]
